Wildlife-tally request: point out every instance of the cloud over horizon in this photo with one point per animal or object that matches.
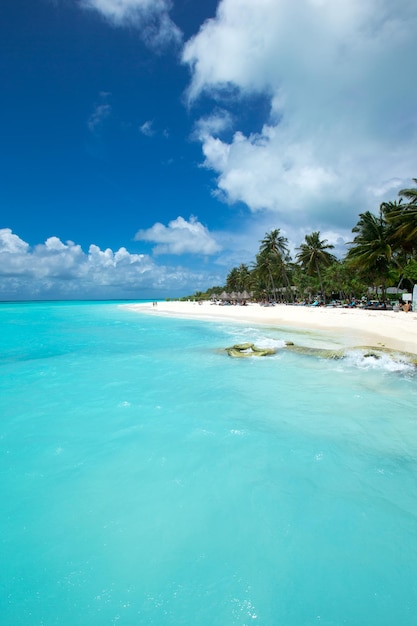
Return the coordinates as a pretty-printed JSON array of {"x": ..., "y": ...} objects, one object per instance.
[{"x": 63, "y": 270}]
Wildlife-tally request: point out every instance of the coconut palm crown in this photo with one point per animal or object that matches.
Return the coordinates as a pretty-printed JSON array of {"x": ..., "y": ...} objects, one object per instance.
[
  {"x": 371, "y": 250},
  {"x": 313, "y": 255},
  {"x": 275, "y": 246},
  {"x": 403, "y": 218}
]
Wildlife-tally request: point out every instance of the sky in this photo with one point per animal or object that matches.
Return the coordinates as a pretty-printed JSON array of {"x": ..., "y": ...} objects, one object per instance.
[{"x": 147, "y": 146}]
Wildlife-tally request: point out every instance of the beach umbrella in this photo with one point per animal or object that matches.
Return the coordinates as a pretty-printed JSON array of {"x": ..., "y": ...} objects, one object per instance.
[{"x": 224, "y": 296}]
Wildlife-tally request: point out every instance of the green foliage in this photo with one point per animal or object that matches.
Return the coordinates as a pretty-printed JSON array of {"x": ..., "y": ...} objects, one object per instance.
[
  {"x": 403, "y": 219},
  {"x": 313, "y": 256},
  {"x": 410, "y": 271},
  {"x": 371, "y": 253},
  {"x": 340, "y": 280},
  {"x": 383, "y": 253},
  {"x": 238, "y": 279}
]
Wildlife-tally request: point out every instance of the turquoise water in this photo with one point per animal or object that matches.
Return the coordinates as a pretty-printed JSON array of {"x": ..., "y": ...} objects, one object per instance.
[{"x": 149, "y": 479}]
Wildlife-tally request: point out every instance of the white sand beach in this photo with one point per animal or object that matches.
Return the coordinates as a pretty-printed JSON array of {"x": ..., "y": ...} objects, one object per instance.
[{"x": 354, "y": 327}]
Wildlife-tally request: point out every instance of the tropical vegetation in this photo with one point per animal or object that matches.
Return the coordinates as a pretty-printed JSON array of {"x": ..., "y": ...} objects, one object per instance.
[{"x": 381, "y": 255}]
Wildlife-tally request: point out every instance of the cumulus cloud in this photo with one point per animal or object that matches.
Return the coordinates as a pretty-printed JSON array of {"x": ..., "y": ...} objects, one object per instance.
[
  {"x": 180, "y": 237},
  {"x": 55, "y": 269},
  {"x": 11, "y": 243},
  {"x": 341, "y": 135},
  {"x": 216, "y": 123},
  {"x": 150, "y": 17}
]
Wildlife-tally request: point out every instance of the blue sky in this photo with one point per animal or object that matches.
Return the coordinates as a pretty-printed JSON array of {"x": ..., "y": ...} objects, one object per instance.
[{"x": 148, "y": 145}]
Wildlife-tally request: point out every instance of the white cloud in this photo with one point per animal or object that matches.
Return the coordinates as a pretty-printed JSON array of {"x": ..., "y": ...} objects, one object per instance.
[
  {"x": 180, "y": 237},
  {"x": 63, "y": 270},
  {"x": 150, "y": 17},
  {"x": 213, "y": 124},
  {"x": 10, "y": 243},
  {"x": 147, "y": 128},
  {"x": 100, "y": 114},
  {"x": 342, "y": 131}
]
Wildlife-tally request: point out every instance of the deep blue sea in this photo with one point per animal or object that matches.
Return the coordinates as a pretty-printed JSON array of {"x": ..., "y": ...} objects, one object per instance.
[{"x": 147, "y": 478}]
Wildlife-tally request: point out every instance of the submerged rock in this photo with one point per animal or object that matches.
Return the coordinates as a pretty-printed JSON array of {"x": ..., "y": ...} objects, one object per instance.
[
  {"x": 377, "y": 353},
  {"x": 374, "y": 355},
  {"x": 321, "y": 352},
  {"x": 242, "y": 346},
  {"x": 248, "y": 349}
]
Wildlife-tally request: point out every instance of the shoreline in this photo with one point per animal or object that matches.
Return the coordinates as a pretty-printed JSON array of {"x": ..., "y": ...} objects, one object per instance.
[{"x": 353, "y": 327}]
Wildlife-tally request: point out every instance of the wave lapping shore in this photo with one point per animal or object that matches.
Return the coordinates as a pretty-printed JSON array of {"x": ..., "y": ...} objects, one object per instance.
[{"x": 395, "y": 330}]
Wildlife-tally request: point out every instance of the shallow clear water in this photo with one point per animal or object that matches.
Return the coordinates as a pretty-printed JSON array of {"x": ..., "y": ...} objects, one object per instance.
[{"x": 147, "y": 478}]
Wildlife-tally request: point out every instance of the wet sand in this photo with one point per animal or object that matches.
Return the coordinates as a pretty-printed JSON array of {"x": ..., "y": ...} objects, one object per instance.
[{"x": 395, "y": 330}]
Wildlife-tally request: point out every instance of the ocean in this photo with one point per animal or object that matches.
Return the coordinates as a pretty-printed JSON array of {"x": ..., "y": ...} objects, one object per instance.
[{"x": 147, "y": 478}]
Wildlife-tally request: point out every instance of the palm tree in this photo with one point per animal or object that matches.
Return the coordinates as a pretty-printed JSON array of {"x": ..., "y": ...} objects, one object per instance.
[
  {"x": 263, "y": 271},
  {"x": 244, "y": 277},
  {"x": 411, "y": 194},
  {"x": 403, "y": 218},
  {"x": 371, "y": 251},
  {"x": 232, "y": 280},
  {"x": 339, "y": 279},
  {"x": 259, "y": 281},
  {"x": 276, "y": 246},
  {"x": 313, "y": 255}
]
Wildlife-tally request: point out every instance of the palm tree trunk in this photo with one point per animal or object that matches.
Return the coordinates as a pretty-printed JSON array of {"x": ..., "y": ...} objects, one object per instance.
[
  {"x": 289, "y": 290},
  {"x": 273, "y": 285},
  {"x": 321, "y": 283}
]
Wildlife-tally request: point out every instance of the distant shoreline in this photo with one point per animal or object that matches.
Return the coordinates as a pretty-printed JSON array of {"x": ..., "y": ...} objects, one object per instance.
[{"x": 389, "y": 329}]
